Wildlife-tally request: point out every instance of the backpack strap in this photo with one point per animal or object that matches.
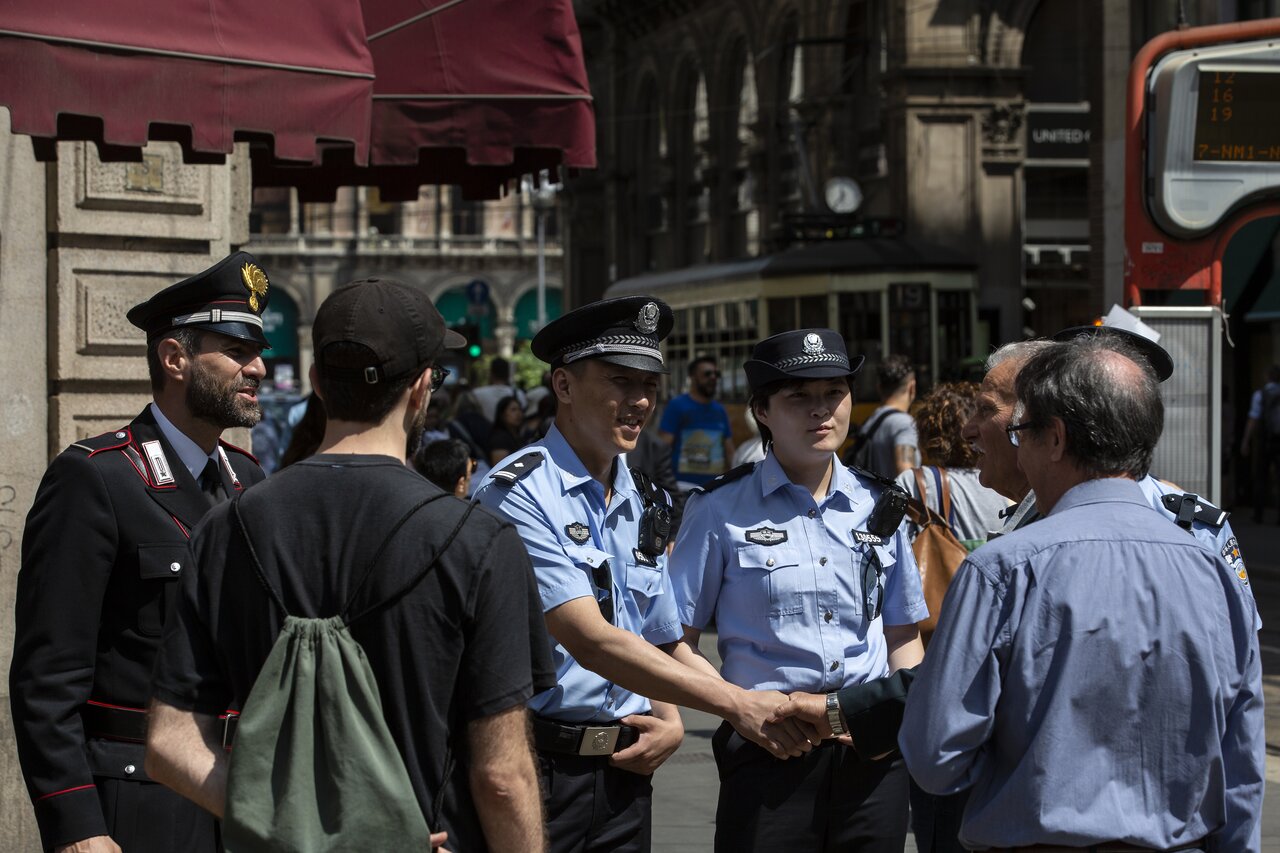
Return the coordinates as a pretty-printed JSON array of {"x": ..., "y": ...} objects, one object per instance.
[
  {"x": 918, "y": 473},
  {"x": 416, "y": 579},
  {"x": 253, "y": 556}
]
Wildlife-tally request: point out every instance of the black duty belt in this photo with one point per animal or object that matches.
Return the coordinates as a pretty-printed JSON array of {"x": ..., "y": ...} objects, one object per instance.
[
  {"x": 581, "y": 739},
  {"x": 120, "y": 722}
]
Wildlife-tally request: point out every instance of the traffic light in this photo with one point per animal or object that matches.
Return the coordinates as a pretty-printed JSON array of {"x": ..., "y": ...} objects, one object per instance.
[{"x": 471, "y": 332}]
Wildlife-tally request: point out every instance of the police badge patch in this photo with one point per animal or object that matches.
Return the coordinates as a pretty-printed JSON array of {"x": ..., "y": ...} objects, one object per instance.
[
  {"x": 1231, "y": 553},
  {"x": 578, "y": 532},
  {"x": 766, "y": 536},
  {"x": 812, "y": 344},
  {"x": 647, "y": 319}
]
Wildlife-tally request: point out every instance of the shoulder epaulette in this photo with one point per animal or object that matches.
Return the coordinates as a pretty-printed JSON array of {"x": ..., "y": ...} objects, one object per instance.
[
  {"x": 107, "y": 441},
  {"x": 1189, "y": 508},
  {"x": 650, "y": 491},
  {"x": 872, "y": 475},
  {"x": 517, "y": 469},
  {"x": 728, "y": 477},
  {"x": 226, "y": 445}
]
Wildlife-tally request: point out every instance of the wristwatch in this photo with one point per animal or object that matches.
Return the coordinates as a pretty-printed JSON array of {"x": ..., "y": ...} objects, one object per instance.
[{"x": 834, "y": 717}]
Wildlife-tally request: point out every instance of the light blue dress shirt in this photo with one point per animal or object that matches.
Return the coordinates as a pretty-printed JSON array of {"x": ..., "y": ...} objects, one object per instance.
[
  {"x": 1094, "y": 677},
  {"x": 193, "y": 458},
  {"x": 560, "y": 513},
  {"x": 783, "y": 578}
]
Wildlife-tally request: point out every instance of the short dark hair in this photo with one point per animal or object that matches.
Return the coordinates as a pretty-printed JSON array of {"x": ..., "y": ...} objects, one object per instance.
[
  {"x": 892, "y": 372},
  {"x": 939, "y": 418},
  {"x": 702, "y": 359},
  {"x": 189, "y": 338},
  {"x": 443, "y": 462},
  {"x": 359, "y": 402},
  {"x": 500, "y": 368},
  {"x": 759, "y": 398},
  {"x": 1112, "y": 412}
]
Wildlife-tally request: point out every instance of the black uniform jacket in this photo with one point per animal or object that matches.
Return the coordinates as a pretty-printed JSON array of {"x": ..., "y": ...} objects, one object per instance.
[{"x": 103, "y": 548}]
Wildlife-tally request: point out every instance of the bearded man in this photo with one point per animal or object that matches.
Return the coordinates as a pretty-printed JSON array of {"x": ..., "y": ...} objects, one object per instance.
[{"x": 103, "y": 549}]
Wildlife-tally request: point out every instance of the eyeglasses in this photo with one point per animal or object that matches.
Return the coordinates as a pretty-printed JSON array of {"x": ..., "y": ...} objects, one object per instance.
[
  {"x": 438, "y": 375},
  {"x": 1012, "y": 431}
]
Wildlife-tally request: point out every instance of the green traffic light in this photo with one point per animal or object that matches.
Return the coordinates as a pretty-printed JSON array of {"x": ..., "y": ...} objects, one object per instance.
[{"x": 474, "y": 350}]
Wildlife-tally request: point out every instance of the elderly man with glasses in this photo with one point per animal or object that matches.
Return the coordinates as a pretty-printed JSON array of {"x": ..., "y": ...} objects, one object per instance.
[{"x": 1095, "y": 679}]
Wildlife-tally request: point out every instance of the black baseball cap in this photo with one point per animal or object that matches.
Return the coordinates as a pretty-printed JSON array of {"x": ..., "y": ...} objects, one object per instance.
[
  {"x": 1157, "y": 356},
  {"x": 623, "y": 331},
  {"x": 800, "y": 354},
  {"x": 229, "y": 298},
  {"x": 399, "y": 331}
]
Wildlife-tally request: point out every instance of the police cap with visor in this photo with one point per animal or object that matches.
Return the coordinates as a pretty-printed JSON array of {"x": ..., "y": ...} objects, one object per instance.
[
  {"x": 801, "y": 354},
  {"x": 623, "y": 331},
  {"x": 228, "y": 298}
]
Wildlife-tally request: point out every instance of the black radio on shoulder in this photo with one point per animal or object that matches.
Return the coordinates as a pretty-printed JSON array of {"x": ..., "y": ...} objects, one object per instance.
[
  {"x": 887, "y": 514},
  {"x": 655, "y": 529}
]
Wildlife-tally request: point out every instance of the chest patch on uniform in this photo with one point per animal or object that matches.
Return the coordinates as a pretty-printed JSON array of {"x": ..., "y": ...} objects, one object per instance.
[
  {"x": 578, "y": 532},
  {"x": 160, "y": 470},
  {"x": 645, "y": 559},
  {"x": 766, "y": 536},
  {"x": 865, "y": 538}
]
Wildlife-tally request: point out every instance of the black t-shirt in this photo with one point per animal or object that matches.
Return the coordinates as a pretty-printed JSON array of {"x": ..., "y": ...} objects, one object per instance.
[{"x": 469, "y": 641}]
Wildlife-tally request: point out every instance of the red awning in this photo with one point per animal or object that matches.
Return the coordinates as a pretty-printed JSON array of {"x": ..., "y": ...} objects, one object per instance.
[
  {"x": 468, "y": 92},
  {"x": 202, "y": 72}
]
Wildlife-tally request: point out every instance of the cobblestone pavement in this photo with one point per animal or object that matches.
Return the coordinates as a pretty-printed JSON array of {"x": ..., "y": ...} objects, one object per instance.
[{"x": 684, "y": 802}]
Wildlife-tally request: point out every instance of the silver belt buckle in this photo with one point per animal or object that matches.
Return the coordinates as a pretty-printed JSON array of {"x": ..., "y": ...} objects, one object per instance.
[{"x": 599, "y": 740}]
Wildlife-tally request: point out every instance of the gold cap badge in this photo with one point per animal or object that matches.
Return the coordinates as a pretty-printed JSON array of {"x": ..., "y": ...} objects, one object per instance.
[{"x": 255, "y": 280}]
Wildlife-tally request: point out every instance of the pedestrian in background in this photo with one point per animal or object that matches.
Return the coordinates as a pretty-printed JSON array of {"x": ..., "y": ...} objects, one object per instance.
[
  {"x": 697, "y": 427},
  {"x": 886, "y": 443},
  {"x": 104, "y": 549},
  {"x": 1262, "y": 434},
  {"x": 949, "y": 465},
  {"x": 448, "y": 464},
  {"x": 504, "y": 433},
  {"x": 1076, "y": 656},
  {"x": 805, "y": 600}
]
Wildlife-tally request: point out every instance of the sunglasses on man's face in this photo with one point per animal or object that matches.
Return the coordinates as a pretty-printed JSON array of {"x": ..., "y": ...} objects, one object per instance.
[{"x": 438, "y": 375}]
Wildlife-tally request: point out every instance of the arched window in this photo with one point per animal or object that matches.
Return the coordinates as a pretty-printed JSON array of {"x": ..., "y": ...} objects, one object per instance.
[
  {"x": 695, "y": 178},
  {"x": 745, "y": 235}
]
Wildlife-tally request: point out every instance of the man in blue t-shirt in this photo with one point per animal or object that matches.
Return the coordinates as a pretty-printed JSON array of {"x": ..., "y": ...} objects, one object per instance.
[{"x": 697, "y": 428}]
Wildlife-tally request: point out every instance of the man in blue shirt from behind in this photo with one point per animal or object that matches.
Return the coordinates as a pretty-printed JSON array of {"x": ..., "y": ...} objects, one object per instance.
[{"x": 1095, "y": 678}]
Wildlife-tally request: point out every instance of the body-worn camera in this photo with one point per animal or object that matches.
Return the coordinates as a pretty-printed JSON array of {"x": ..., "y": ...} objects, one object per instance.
[
  {"x": 887, "y": 514},
  {"x": 655, "y": 529}
]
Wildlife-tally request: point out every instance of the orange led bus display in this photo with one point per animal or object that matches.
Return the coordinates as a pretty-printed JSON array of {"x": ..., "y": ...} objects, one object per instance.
[{"x": 1238, "y": 116}]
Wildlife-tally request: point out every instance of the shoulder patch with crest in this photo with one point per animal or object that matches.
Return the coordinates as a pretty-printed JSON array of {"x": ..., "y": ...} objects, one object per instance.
[
  {"x": 1231, "y": 553},
  {"x": 766, "y": 536},
  {"x": 578, "y": 532}
]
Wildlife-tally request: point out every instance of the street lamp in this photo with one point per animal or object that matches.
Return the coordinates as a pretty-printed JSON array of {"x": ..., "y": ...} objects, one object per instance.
[{"x": 542, "y": 195}]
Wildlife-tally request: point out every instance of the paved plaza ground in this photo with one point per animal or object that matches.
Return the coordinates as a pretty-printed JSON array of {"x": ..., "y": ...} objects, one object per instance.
[{"x": 685, "y": 788}]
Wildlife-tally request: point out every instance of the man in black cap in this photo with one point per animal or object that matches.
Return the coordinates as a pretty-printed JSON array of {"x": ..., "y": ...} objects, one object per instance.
[
  {"x": 104, "y": 547},
  {"x": 455, "y": 657},
  {"x": 597, "y": 534}
]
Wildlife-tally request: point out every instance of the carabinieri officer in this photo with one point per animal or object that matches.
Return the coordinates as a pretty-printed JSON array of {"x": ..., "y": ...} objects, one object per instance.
[
  {"x": 809, "y": 591},
  {"x": 597, "y": 533},
  {"x": 104, "y": 546}
]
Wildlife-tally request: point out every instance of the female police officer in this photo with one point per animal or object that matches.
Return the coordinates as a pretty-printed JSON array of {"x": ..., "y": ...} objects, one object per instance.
[{"x": 806, "y": 597}]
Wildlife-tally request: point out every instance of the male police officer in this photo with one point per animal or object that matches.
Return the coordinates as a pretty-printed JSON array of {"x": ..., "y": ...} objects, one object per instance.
[
  {"x": 598, "y": 542},
  {"x": 104, "y": 546}
]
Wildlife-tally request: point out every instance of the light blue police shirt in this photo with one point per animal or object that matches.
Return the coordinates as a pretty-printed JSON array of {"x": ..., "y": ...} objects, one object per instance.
[
  {"x": 1094, "y": 677},
  {"x": 782, "y": 576},
  {"x": 560, "y": 513},
  {"x": 1220, "y": 540}
]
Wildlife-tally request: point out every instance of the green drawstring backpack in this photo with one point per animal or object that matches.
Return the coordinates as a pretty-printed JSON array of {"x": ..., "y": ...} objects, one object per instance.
[{"x": 314, "y": 768}]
